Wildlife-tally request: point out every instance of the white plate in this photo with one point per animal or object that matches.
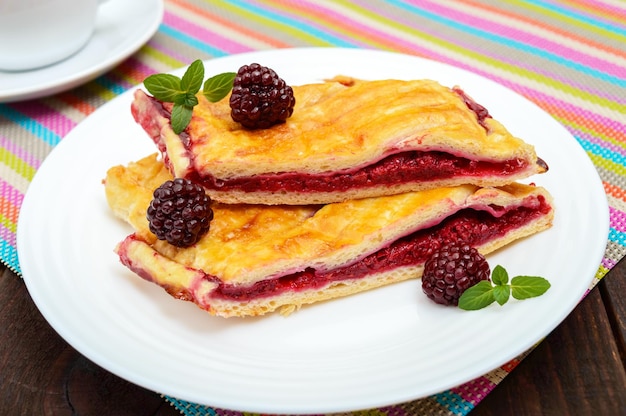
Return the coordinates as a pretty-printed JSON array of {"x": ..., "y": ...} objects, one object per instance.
[
  {"x": 386, "y": 346},
  {"x": 122, "y": 27}
]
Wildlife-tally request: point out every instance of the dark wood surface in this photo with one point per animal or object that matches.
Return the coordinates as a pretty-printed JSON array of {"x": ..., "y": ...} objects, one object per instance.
[{"x": 577, "y": 370}]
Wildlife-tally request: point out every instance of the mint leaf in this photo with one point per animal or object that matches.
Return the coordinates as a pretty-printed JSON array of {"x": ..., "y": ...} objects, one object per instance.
[
  {"x": 187, "y": 99},
  {"x": 484, "y": 293},
  {"x": 182, "y": 91},
  {"x": 181, "y": 116},
  {"x": 164, "y": 87},
  {"x": 192, "y": 79},
  {"x": 499, "y": 276},
  {"x": 477, "y": 296},
  {"x": 501, "y": 293},
  {"x": 524, "y": 287},
  {"x": 218, "y": 86}
]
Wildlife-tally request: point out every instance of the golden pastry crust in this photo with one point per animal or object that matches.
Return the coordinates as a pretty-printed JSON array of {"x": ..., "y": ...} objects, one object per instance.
[
  {"x": 337, "y": 125},
  {"x": 249, "y": 244}
]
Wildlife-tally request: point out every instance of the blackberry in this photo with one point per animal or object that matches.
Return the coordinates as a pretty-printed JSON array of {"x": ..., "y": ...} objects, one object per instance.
[
  {"x": 180, "y": 212},
  {"x": 451, "y": 270},
  {"x": 260, "y": 98}
]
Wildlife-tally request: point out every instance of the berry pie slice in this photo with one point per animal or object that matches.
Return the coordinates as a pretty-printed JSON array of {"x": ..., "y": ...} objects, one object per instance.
[
  {"x": 257, "y": 259},
  {"x": 346, "y": 139}
]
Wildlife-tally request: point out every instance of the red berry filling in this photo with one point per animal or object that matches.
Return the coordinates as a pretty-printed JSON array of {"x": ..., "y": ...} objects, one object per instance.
[
  {"x": 469, "y": 226},
  {"x": 481, "y": 112},
  {"x": 399, "y": 168}
]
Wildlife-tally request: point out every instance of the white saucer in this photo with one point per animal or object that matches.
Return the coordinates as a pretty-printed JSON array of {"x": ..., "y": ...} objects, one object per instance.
[{"x": 122, "y": 28}]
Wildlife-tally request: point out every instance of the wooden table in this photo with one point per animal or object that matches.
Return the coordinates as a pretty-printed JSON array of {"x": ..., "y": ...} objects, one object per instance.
[{"x": 578, "y": 370}]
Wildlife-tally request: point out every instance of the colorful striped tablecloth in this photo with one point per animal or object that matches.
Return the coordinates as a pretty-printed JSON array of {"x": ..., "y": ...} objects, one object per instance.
[{"x": 567, "y": 56}]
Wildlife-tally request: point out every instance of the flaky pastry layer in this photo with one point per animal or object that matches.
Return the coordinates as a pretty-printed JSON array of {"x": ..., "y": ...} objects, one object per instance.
[
  {"x": 337, "y": 126},
  {"x": 248, "y": 246}
]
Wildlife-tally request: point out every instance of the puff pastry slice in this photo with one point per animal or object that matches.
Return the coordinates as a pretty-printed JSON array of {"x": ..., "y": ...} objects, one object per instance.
[
  {"x": 257, "y": 259},
  {"x": 346, "y": 139}
]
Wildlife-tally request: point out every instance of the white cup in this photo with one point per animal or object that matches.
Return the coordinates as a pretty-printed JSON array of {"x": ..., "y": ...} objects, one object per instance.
[{"x": 37, "y": 33}]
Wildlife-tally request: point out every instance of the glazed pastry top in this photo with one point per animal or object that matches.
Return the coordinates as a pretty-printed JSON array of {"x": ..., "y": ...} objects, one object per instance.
[{"x": 341, "y": 124}]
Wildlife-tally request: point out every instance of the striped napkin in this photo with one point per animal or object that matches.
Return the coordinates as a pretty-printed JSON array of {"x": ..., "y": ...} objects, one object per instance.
[{"x": 567, "y": 56}]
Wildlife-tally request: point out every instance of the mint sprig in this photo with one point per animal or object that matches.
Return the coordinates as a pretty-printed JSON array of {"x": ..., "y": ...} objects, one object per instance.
[
  {"x": 484, "y": 293},
  {"x": 218, "y": 86},
  {"x": 182, "y": 91}
]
